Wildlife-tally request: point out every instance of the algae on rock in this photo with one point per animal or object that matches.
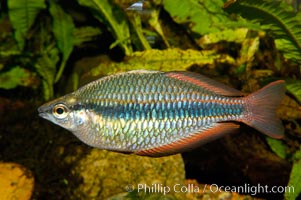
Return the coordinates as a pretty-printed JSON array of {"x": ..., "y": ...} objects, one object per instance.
[{"x": 105, "y": 174}]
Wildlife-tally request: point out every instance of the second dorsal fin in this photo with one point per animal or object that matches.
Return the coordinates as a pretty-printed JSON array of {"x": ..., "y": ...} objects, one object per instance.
[{"x": 205, "y": 82}]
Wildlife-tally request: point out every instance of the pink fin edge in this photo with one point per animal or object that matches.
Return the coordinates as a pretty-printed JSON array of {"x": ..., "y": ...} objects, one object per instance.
[
  {"x": 205, "y": 82},
  {"x": 196, "y": 139}
]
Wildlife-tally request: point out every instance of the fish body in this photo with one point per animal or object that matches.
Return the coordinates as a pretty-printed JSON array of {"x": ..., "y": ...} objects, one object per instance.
[{"x": 161, "y": 113}]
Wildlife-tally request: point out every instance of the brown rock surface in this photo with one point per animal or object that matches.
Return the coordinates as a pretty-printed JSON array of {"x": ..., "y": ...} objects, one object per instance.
[{"x": 104, "y": 174}]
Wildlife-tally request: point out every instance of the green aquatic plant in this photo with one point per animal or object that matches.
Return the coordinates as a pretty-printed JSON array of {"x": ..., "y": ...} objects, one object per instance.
[
  {"x": 294, "y": 87},
  {"x": 22, "y": 15},
  {"x": 202, "y": 17},
  {"x": 207, "y": 18},
  {"x": 277, "y": 147},
  {"x": 295, "y": 178},
  {"x": 63, "y": 30},
  {"x": 54, "y": 43},
  {"x": 107, "y": 12},
  {"x": 276, "y": 18},
  {"x": 16, "y": 76},
  {"x": 45, "y": 66}
]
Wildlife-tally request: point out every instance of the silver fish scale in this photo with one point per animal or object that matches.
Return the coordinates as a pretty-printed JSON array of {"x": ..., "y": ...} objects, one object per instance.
[{"x": 143, "y": 111}]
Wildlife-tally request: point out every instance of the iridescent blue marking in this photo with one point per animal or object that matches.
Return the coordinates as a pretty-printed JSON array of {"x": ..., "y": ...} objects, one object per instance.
[{"x": 133, "y": 111}]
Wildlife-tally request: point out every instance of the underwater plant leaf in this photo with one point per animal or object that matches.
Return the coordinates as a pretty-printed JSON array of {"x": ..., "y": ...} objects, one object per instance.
[
  {"x": 45, "y": 66},
  {"x": 294, "y": 181},
  {"x": 229, "y": 35},
  {"x": 16, "y": 76},
  {"x": 146, "y": 13},
  {"x": 85, "y": 34},
  {"x": 155, "y": 23},
  {"x": 277, "y": 146},
  {"x": 201, "y": 16},
  {"x": 137, "y": 26},
  {"x": 278, "y": 19},
  {"x": 107, "y": 12},
  {"x": 22, "y": 14},
  {"x": 297, "y": 155},
  {"x": 163, "y": 60},
  {"x": 63, "y": 29},
  {"x": 295, "y": 89}
]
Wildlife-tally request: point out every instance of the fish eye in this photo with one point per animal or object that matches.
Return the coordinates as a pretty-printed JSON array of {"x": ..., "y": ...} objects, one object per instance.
[{"x": 60, "y": 111}]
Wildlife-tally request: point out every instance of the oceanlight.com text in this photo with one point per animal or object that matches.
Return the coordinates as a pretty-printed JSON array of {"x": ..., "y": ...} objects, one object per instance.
[
  {"x": 252, "y": 189},
  {"x": 192, "y": 188}
]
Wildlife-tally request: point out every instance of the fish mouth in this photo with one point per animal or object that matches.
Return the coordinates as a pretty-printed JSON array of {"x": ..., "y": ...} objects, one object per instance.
[
  {"x": 43, "y": 115},
  {"x": 43, "y": 112},
  {"x": 41, "y": 109}
]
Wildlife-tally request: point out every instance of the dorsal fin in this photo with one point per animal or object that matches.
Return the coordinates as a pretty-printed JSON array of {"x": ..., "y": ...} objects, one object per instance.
[
  {"x": 202, "y": 136},
  {"x": 142, "y": 71},
  {"x": 205, "y": 82}
]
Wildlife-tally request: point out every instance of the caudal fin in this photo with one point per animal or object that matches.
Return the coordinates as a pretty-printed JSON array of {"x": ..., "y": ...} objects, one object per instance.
[{"x": 261, "y": 109}]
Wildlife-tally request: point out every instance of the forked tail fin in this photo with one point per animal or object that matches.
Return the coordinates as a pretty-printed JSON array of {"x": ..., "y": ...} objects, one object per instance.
[{"x": 261, "y": 109}]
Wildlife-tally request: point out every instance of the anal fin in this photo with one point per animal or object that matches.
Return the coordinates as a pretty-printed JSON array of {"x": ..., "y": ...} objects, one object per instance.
[{"x": 198, "y": 138}]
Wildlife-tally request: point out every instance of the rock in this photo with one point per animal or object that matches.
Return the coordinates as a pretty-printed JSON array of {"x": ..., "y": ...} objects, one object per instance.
[
  {"x": 16, "y": 182},
  {"x": 103, "y": 174}
]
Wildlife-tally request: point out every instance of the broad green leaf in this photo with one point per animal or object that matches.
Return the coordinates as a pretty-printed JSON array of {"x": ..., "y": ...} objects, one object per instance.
[
  {"x": 63, "y": 29},
  {"x": 294, "y": 183},
  {"x": 17, "y": 76},
  {"x": 22, "y": 14},
  {"x": 106, "y": 11},
  {"x": 278, "y": 19},
  {"x": 201, "y": 16},
  {"x": 295, "y": 89},
  {"x": 277, "y": 146},
  {"x": 229, "y": 35}
]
